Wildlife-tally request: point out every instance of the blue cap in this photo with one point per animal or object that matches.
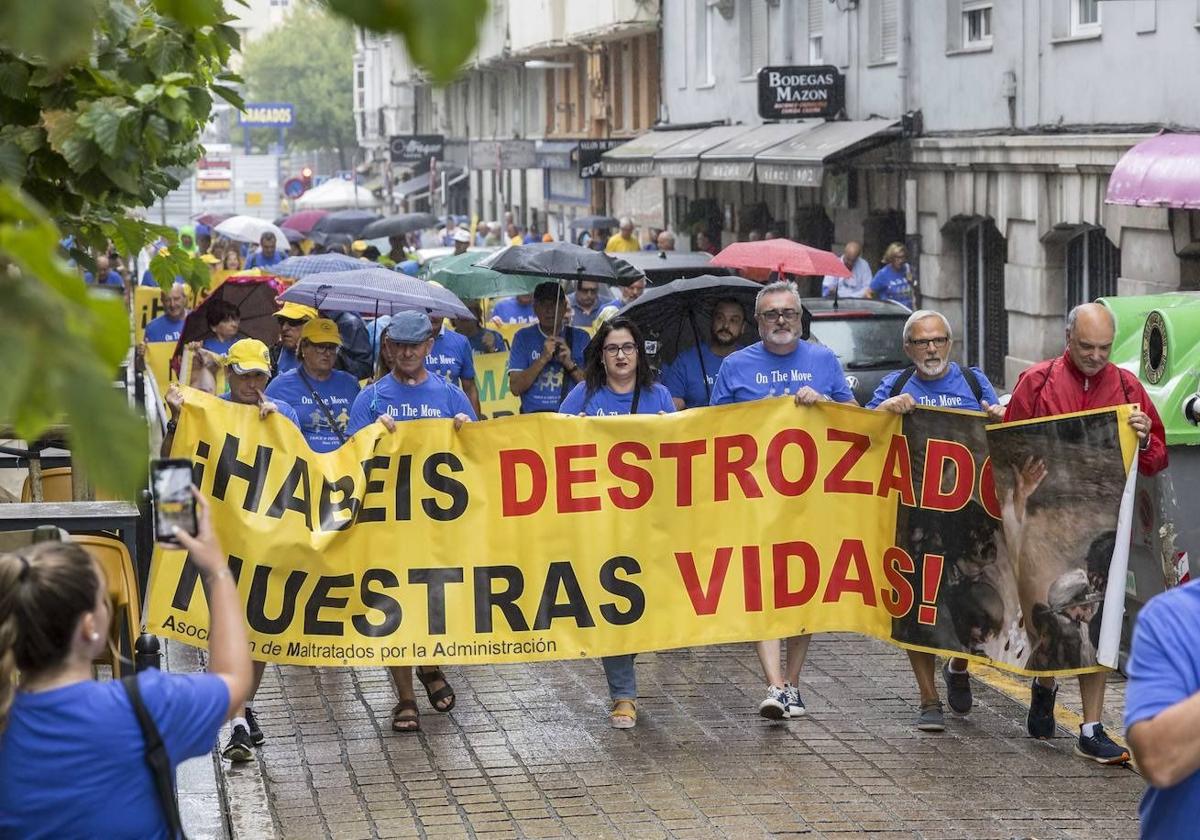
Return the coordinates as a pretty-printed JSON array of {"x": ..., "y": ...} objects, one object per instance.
[
  {"x": 409, "y": 267},
  {"x": 409, "y": 328}
]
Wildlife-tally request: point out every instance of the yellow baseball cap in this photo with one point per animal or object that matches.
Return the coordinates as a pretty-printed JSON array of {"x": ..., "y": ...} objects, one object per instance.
[
  {"x": 249, "y": 356},
  {"x": 209, "y": 259},
  {"x": 321, "y": 331},
  {"x": 296, "y": 312}
]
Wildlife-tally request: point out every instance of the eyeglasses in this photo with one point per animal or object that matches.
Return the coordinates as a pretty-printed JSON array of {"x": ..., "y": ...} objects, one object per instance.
[
  {"x": 292, "y": 322},
  {"x": 776, "y": 314},
  {"x": 628, "y": 348},
  {"x": 324, "y": 348},
  {"x": 936, "y": 341}
]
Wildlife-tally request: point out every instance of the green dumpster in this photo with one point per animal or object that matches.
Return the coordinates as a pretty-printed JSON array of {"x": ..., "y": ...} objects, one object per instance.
[{"x": 1158, "y": 339}]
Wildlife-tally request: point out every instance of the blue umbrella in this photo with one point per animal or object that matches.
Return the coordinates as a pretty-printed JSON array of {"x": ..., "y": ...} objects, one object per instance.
[
  {"x": 376, "y": 291},
  {"x": 319, "y": 264}
]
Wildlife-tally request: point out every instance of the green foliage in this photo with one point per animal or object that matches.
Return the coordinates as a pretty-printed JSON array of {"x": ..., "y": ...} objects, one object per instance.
[
  {"x": 440, "y": 34},
  {"x": 308, "y": 61},
  {"x": 63, "y": 342},
  {"x": 100, "y": 102}
]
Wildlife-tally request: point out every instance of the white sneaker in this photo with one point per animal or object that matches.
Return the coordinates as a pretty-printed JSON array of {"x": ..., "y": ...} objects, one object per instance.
[
  {"x": 795, "y": 705},
  {"x": 775, "y": 706}
]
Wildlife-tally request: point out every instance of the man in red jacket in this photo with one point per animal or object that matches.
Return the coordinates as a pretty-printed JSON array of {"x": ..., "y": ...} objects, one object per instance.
[{"x": 1083, "y": 378}]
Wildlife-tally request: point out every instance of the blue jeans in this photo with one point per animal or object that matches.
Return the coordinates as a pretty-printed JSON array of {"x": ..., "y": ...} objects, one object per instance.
[{"x": 622, "y": 682}]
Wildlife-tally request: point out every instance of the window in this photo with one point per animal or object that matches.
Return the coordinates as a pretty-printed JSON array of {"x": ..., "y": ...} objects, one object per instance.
[
  {"x": 752, "y": 31},
  {"x": 816, "y": 29},
  {"x": 1085, "y": 17},
  {"x": 884, "y": 31},
  {"x": 705, "y": 13},
  {"x": 1093, "y": 265},
  {"x": 985, "y": 316},
  {"x": 977, "y": 26}
]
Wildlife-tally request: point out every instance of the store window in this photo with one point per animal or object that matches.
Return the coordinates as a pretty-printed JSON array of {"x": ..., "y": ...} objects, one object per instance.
[{"x": 1093, "y": 266}]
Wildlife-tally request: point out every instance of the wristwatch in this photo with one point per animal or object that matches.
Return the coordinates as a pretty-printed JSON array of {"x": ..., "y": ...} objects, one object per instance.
[{"x": 172, "y": 425}]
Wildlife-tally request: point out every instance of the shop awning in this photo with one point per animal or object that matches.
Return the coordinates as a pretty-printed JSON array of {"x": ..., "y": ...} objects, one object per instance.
[
  {"x": 682, "y": 160},
  {"x": 418, "y": 185},
  {"x": 556, "y": 154},
  {"x": 1163, "y": 171},
  {"x": 635, "y": 159},
  {"x": 800, "y": 161},
  {"x": 734, "y": 159}
]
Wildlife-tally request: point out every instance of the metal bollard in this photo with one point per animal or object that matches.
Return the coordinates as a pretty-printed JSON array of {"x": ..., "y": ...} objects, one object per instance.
[{"x": 147, "y": 653}]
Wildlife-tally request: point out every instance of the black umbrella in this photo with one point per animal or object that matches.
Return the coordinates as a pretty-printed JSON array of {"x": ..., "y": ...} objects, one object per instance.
[
  {"x": 254, "y": 298},
  {"x": 398, "y": 225},
  {"x": 678, "y": 316},
  {"x": 589, "y": 222},
  {"x": 326, "y": 240},
  {"x": 349, "y": 222},
  {"x": 562, "y": 260}
]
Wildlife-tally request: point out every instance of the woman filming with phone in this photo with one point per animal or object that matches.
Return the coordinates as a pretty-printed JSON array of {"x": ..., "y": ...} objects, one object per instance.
[{"x": 73, "y": 760}]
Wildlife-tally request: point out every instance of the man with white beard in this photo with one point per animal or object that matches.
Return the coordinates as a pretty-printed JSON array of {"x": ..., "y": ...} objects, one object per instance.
[{"x": 933, "y": 380}]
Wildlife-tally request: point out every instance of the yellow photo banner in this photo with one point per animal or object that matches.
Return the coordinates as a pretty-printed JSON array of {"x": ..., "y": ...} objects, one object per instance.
[
  {"x": 550, "y": 537},
  {"x": 491, "y": 378}
]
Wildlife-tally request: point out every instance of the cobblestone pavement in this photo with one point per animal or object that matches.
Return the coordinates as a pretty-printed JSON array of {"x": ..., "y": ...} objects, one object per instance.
[{"x": 528, "y": 752}]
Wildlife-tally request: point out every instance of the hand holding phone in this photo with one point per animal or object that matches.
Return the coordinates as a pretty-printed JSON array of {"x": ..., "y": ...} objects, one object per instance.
[{"x": 174, "y": 504}]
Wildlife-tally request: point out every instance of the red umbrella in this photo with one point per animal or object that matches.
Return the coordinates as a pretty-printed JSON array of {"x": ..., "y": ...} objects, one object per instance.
[
  {"x": 211, "y": 219},
  {"x": 304, "y": 220},
  {"x": 783, "y": 256}
]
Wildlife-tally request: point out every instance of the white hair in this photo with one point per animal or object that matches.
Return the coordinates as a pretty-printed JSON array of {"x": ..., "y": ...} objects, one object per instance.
[
  {"x": 777, "y": 286},
  {"x": 921, "y": 315},
  {"x": 625, "y": 221},
  {"x": 1073, "y": 316}
]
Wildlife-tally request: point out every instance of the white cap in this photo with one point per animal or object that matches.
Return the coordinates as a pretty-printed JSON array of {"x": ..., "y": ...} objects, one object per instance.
[{"x": 462, "y": 235}]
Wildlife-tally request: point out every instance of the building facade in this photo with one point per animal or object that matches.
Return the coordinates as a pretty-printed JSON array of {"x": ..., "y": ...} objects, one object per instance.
[
  {"x": 982, "y": 133},
  {"x": 546, "y": 75}
]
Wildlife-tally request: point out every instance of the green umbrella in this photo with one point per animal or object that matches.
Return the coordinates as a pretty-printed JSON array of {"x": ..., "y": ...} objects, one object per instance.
[{"x": 460, "y": 275}]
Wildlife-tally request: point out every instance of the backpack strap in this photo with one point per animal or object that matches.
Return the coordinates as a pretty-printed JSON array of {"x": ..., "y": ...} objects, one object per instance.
[
  {"x": 902, "y": 380},
  {"x": 156, "y": 757},
  {"x": 974, "y": 384}
]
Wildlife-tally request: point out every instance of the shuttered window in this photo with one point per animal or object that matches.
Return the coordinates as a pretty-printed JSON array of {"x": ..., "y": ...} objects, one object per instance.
[{"x": 887, "y": 29}]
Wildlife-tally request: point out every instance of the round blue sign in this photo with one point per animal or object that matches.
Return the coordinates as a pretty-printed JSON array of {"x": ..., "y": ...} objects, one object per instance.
[{"x": 293, "y": 187}]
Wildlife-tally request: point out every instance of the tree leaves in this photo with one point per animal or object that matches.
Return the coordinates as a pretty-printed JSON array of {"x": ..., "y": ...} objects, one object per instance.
[
  {"x": 56, "y": 32},
  {"x": 440, "y": 36}
]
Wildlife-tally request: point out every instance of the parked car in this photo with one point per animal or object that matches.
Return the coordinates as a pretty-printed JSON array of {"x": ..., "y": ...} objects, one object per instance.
[{"x": 867, "y": 336}]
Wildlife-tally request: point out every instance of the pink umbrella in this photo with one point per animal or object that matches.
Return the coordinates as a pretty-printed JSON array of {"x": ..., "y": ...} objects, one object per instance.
[
  {"x": 783, "y": 256},
  {"x": 304, "y": 220}
]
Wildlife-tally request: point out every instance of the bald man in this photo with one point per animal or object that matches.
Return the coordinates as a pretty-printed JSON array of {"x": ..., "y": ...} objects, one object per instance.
[{"x": 1083, "y": 378}]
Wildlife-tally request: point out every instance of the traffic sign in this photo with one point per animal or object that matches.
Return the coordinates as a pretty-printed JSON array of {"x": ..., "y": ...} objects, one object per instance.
[
  {"x": 268, "y": 115},
  {"x": 293, "y": 187}
]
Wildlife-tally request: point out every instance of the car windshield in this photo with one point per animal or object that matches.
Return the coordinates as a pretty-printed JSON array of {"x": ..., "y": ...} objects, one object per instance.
[{"x": 862, "y": 342}]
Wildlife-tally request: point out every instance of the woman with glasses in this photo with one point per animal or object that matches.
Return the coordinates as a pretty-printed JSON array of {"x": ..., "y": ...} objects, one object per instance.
[{"x": 617, "y": 380}]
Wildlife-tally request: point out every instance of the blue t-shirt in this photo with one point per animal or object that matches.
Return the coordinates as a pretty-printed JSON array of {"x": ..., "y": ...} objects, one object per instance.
[
  {"x": 950, "y": 390},
  {"x": 754, "y": 373},
  {"x": 72, "y": 760},
  {"x": 435, "y": 397},
  {"x": 163, "y": 328},
  {"x": 451, "y": 357},
  {"x": 1164, "y": 669},
  {"x": 605, "y": 402},
  {"x": 110, "y": 279},
  {"x": 282, "y": 407},
  {"x": 338, "y": 393},
  {"x": 260, "y": 260},
  {"x": 889, "y": 284},
  {"x": 216, "y": 345},
  {"x": 477, "y": 345},
  {"x": 685, "y": 380},
  {"x": 510, "y": 311},
  {"x": 287, "y": 361},
  {"x": 547, "y": 391}
]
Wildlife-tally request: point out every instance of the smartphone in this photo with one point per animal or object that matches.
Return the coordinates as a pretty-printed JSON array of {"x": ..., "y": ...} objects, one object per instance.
[{"x": 174, "y": 505}]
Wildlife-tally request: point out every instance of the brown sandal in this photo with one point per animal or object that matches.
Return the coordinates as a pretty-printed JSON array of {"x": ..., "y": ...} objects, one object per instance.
[
  {"x": 445, "y": 692},
  {"x": 406, "y": 723}
]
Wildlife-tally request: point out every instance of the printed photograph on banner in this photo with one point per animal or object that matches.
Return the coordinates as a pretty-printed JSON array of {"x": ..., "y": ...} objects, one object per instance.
[
  {"x": 962, "y": 580},
  {"x": 1059, "y": 528}
]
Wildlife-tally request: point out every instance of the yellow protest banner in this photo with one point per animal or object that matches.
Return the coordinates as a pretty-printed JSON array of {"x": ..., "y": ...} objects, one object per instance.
[
  {"x": 147, "y": 305},
  {"x": 547, "y": 536},
  {"x": 158, "y": 362},
  {"x": 491, "y": 378}
]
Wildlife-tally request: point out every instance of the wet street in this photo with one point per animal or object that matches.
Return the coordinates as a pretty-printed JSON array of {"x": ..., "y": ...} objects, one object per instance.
[{"x": 528, "y": 752}]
